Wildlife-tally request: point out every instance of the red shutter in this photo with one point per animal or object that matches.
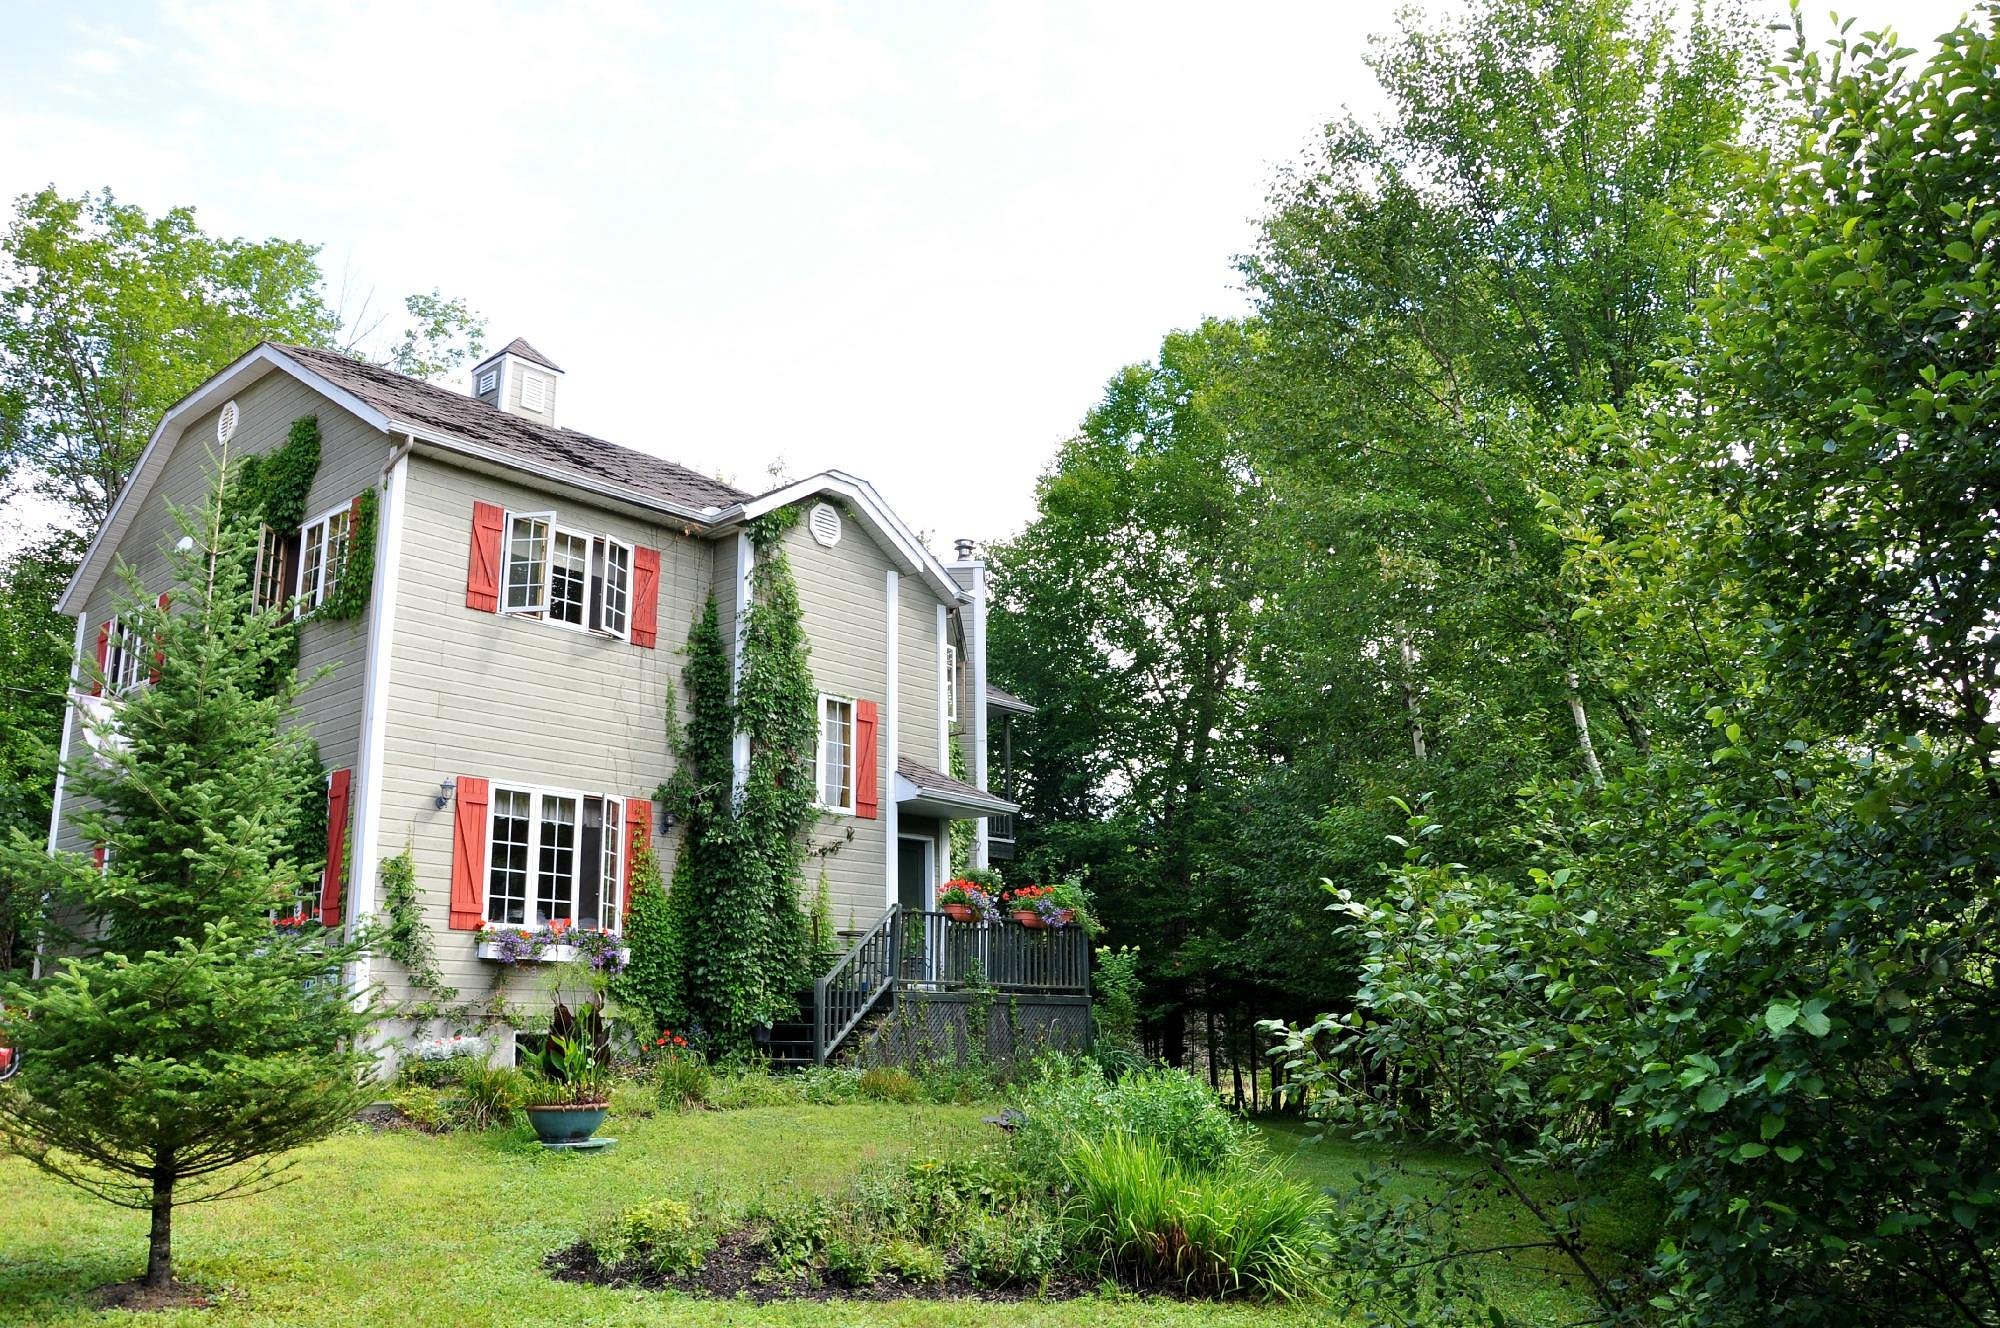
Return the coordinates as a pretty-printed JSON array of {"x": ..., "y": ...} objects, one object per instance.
[
  {"x": 103, "y": 658},
  {"x": 159, "y": 649},
  {"x": 645, "y": 597},
  {"x": 482, "y": 565},
  {"x": 468, "y": 854},
  {"x": 638, "y": 831},
  {"x": 97, "y": 857},
  {"x": 335, "y": 878},
  {"x": 866, "y": 786}
]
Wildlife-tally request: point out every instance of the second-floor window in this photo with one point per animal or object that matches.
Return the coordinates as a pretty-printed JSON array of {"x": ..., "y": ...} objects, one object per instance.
[
  {"x": 553, "y": 855},
  {"x": 564, "y": 576},
  {"x": 836, "y": 753},
  {"x": 323, "y": 556},
  {"x": 277, "y": 566},
  {"x": 950, "y": 683},
  {"x": 124, "y": 659}
]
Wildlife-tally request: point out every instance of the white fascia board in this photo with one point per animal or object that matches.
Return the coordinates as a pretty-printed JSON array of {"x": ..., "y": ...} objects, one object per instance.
[
  {"x": 868, "y": 505},
  {"x": 614, "y": 493},
  {"x": 246, "y": 370}
]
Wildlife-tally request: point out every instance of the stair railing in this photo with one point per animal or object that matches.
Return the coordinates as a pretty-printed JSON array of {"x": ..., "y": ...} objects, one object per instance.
[{"x": 843, "y": 996}]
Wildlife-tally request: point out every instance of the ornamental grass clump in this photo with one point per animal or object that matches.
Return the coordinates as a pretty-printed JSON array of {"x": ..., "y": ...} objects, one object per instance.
[
  {"x": 1065, "y": 1101},
  {"x": 1148, "y": 1220}
]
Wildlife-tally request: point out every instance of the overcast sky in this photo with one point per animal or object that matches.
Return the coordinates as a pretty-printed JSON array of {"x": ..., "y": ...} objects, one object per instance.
[{"x": 907, "y": 240}]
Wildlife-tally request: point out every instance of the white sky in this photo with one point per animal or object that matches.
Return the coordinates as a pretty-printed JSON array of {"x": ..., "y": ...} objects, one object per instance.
[{"x": 909, "y": 240}]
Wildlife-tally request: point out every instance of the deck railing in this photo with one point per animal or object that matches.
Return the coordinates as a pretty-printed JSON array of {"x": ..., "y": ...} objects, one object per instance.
[
  {"x": 845, "y": 994},
  {"x": 940, "y": 954}
]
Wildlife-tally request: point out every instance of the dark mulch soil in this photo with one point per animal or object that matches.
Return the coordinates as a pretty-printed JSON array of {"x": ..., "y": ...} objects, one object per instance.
[
  {"x": 137, "y": 1296},
  {"x": 737, "y": 1267},
  {"x": 382, "y": 1116}
]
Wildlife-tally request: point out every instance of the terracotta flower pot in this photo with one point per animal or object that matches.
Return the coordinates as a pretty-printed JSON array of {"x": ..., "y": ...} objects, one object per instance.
[
  {"x": 1030, "y": 919},
  {"x": 957, "y": 912}
]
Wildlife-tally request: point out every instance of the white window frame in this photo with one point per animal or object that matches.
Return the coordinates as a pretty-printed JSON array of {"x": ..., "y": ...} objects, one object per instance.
[
  {"x": 582, "y": 623},
  {"x": 541, "y": 585},
  {"x": 596, "y": 603},
  {"x": 950, "y": 681},
  {"x": 604, "y": 546},
  {"x": 125, "y": 666},
  {"x": 534, "y": 392},
  {"x": 611, "y": 880},
  {"x": 320, "y": 544},
  {"x": 821, "y": 753}
]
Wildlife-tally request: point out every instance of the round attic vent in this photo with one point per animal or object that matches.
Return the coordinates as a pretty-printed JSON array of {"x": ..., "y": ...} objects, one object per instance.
[
  {"x": 824, "y": 523},
  {"x": 225, "y": 423}
]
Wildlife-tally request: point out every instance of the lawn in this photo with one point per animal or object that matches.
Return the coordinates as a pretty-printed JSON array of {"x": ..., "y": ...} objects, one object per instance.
[{"x": 409, "y": 1229}]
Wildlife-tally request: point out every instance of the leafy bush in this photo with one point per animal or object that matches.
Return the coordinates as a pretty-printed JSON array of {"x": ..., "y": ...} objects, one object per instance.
[
  {"x": 853, "y": 1256},
  {"x": 827, "y": 1085},
  {"x": 666, "y": 1235},
  {"x": 437, "y": 1072},
  {"x": 1150, "y": 1219},
  {"x": 423, "y": 1106},
  {"x": 683, "y": 1081},
  {"x": 911, "y": 1262},
  {"x": 1019, "y": 1249},
  {"x": 793, "y": 1231},
  {"x": 885, "y": 1083},
  {"x": 1066, "y": 1101},
  {"x": 953, "y": 1085}
]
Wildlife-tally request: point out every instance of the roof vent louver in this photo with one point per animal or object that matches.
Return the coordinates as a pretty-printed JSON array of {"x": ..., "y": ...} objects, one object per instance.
[{"x": 824, "y": 524}]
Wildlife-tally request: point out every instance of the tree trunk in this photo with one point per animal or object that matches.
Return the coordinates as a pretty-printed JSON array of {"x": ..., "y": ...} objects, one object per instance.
[
  {"x": 1214, "y": 1055},
  {"x": 160, "y": 1247},
  {"x": 1409, "y": 654},
  {"x": 1582, "y": 720}
]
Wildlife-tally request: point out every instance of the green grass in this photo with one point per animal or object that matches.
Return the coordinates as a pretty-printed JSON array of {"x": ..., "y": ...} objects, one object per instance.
[{"x": 405, "y": 1229}]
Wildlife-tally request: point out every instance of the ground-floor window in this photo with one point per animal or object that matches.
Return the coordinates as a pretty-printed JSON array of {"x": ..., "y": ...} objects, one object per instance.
[{"x": 553, "y": 856}]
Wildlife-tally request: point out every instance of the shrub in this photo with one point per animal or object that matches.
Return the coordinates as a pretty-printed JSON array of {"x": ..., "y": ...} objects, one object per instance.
[
  {"x": 665, "y": 1235},
  {"x": 734, "y": 1087},
  {"x": 1019, "y": 1249},
  {"x": 1067, "y": 1101},
  {"x": 683, "y": 1081},
  {"x": 423, "y": 1106},
  {"x": 1150, "y": 1219},
  {"x": 914, "y": 1263},
  {"x": 827, "y": 1085},
  {"x": 853, "y": 1256},
  {"x": 793, "y": 1230},
  {"x": 886, "y": 1083},
  {"x": 436, "y": 1071},
  {"x": 953, "y": 1085},
  {"x": 488, "y": 1095}
]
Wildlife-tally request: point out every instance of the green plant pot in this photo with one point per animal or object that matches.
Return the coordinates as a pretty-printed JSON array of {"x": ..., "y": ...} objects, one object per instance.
[{"x": 560, "y": 1126}]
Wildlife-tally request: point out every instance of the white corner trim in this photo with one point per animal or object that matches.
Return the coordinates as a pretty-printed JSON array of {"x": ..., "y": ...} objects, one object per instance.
[
  {"x": 885, "y": 789},
  {"x": 943, "y": 696},
  {"x": 974, "y": 618},
  {"x": 363, "y": 871},
  {"x": 69, "y": 720},
  {"x": 247, "y": 368},
  {"x": 739, "y": 743}
]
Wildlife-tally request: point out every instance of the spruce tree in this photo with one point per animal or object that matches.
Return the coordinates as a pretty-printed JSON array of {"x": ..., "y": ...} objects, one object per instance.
[{"x": 182, "y": 1043}]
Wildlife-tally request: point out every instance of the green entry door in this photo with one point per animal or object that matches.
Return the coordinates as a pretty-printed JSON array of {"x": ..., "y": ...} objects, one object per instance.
[{"x": 913, "y": 873}]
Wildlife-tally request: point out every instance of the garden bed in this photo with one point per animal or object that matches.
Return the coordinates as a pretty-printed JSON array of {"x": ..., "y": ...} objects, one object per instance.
[{"x": 738, "y": 1267}]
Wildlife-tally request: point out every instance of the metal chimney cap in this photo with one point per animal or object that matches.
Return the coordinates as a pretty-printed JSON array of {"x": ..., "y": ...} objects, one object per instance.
[{"x": 963, "y": 548}]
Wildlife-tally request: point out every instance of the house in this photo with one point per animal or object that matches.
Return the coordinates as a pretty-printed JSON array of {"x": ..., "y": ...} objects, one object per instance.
[{"x": 498, "y": 705}]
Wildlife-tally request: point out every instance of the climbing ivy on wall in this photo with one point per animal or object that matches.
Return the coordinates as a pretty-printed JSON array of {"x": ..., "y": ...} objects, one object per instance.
[
  {"x": 964, "y": 834},
  {"x": 351, "y": 595},
  {"x": 272, "y": 488},
  {"x": 734, "y": 917}
]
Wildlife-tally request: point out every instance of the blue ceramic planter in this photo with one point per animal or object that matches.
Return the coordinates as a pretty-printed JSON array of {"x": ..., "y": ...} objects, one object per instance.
[{"x": 561, "y": 1127}]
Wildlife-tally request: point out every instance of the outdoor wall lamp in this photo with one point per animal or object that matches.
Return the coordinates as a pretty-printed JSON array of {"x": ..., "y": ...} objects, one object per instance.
[{"x": 445, "y": 791}]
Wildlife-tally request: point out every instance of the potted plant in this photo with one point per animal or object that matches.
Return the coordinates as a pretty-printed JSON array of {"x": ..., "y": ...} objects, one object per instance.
[
  {"x": 1067, "y": 903},
  {"x": 570, "y": 1091},
  {"x": 963, "y": 901},
  {"x": 1024, "y": 903}
]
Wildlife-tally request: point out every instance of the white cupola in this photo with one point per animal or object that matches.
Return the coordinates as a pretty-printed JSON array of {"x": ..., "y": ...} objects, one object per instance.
[{"x": 520, "y": 380}]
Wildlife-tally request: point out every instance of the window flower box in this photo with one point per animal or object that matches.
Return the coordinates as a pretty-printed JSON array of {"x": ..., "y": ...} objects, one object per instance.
[{"x": 553, "y": 943}]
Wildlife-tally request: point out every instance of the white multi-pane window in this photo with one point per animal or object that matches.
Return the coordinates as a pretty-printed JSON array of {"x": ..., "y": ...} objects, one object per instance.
[
  {"x": 836, "y": 753},
  {"x": 950, "y": 683},
  {"x": 277, "y": 561},
  {"x": 527, "y": 562},
  {"x": 554, "y": 855},
  {"x": 610, "y": 586},
  {"x": 323, "y": 556},
  {"x": 124, "y": 659},
  {"x": 565, "y": 576},
  {"x": 569, "y": 577}
]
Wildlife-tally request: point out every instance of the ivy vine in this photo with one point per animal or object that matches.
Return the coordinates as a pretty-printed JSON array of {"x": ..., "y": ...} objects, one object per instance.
[
  {"x": 273, "y": 487},
  {"x": 964, "y": 834},
  {"x": 350, "y": 596},
  {"x": 735, "y": 921},
  {"x": 405, "y": 936}
]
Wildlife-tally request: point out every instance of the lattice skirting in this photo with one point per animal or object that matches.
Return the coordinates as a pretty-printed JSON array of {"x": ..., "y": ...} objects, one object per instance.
[{"x": 926, "y": 1028}]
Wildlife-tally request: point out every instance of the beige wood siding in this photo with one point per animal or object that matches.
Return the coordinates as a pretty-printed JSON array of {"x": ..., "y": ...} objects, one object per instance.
[
  {"x": 843, "y": 595},
  {"x": 351, "y": 458},
  {"x": 512, "y": 699}
]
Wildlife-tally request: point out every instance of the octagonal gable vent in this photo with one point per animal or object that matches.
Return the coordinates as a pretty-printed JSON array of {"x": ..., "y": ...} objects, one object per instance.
[
  {"x": 225, "y": 423},
  {"x": 824, "y": 523}
]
